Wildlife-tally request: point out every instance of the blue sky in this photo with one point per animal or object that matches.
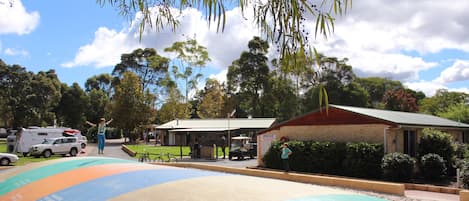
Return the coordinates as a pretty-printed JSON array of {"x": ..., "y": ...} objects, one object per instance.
[{"x": 424, "y": 46}]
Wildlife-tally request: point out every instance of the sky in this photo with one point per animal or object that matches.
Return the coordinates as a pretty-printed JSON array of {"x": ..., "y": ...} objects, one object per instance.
[{"x": 422, "y": 43}]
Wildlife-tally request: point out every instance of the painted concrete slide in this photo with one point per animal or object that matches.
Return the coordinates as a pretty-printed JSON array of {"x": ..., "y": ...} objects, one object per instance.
[{"x": 101, "y": 178}]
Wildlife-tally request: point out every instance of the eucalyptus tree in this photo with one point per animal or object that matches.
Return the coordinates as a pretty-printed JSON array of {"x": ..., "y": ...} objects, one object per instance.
[
  {"x": 73, "y": 106},
  {"x": 211, "y": 100},
  {"x": 146, "y": 64},
  {"x": 99, "y": 82},
  {"x": 131, "y": 105},
  {"x": 248, "y": 76},
  {"x": 189, "y": 55},
  {"x": 338, "y": 78}
]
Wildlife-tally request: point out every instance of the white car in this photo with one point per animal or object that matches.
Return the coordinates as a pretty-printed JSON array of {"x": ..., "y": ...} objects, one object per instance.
[
  {"x": 61, "y": 145},
  {"x": 6, "y": 159},
  {"x": 83, "y": 142}
]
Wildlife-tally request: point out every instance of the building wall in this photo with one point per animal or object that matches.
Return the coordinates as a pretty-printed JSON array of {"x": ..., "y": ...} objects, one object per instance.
[{"x": 372, "y": 133}]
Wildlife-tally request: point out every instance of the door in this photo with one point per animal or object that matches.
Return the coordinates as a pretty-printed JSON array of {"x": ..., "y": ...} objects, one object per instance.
[
  {"x": 410, "y": 142},
  {"x": 59, "y": 146}
]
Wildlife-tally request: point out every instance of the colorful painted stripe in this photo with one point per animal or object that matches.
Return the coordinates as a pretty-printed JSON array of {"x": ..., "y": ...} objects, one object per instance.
[
  {"x": 49, "y": 185},
  {"x": 49, "y": 170},
  {"x": 111, "y": 186}
]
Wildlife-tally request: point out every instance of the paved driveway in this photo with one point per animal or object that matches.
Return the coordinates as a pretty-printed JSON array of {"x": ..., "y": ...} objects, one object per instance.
[{"x": 113, "y": 148}]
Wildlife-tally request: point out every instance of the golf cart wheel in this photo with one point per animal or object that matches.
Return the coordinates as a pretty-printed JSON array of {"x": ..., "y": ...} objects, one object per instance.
[
  {"x": 5, "y": 161},
  {"x": 83, "y": 145},
  {"x": 47, "y": 153},
  {"x": 229, "y": 157},
  {"x": 25, "y": 154}
]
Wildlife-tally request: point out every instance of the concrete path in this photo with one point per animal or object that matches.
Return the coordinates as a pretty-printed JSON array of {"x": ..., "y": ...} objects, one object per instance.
[{"x": 111, "y": 149}]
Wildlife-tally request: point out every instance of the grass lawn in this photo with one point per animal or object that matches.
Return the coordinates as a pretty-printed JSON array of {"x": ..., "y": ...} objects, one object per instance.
[
  {"x": 26, "y": 160},
  {"x": 173, "y": 150}
]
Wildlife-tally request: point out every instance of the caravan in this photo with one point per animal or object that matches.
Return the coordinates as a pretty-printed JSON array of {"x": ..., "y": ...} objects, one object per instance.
[{"x": 22, "y": 140}]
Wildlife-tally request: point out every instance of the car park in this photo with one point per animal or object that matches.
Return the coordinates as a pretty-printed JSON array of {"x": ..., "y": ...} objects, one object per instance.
[
  {"x": 52, "y": 146},
  {"x": 7, "y": 159}
]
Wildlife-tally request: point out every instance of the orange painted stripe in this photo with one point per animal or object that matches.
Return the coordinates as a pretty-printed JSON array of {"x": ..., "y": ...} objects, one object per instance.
[{"x": 49, "y": 185}]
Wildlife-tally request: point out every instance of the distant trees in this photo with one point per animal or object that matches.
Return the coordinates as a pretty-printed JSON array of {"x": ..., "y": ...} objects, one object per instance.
[
  {"x": 189, "y": 55},
  {"x": 131, "y": 106},
  {"x": 248, "y": 76},
  {"x": 400, "y": 100}
]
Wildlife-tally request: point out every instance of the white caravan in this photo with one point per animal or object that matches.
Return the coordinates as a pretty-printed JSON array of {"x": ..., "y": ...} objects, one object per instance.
[{"x": 25, "y": 138}]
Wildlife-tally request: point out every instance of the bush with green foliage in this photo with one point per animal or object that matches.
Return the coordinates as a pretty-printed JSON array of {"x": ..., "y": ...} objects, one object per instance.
[
  {"x": 352, "y": 159},
  {"x": 398, "y": 167},
  {"x": 437, "y": 142},
  {"x": 363, "y": 160},
  {"x": 327, "y": 157},
  {"x": 432, "y": 166},
  {"x": 272, "y": 158}
]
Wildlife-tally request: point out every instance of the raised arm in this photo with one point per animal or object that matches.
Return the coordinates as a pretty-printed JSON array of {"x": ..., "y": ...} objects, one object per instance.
[
  {"x": 91, "y": 124},
  {"x": 108, "y": 122}
]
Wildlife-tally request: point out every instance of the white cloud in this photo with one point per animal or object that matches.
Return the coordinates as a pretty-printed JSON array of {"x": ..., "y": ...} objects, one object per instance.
[
  {"x": 429, "y": 88},
  {"x": 105, "y": 50},
  {"x": 15, "y": 19},
  {"x": 223, "y": 48},
  {"x": 459, "y": 71},
  {"x": 15, "y": 52},
  {"x": 376, "y": 36},
  {"x": 221, "y": 76}
]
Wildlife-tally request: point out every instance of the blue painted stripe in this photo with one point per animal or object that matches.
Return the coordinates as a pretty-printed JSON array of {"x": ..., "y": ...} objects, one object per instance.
[
  {"x": 112, "y": 186},
  {"x": 339, "y": 197}
]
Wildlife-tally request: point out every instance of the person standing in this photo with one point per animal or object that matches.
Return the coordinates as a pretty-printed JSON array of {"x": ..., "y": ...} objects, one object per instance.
[
  {"x": 223, "y": 145},
  {"x": 101, "y": 133},
  {"x": 286, "y": 152}
]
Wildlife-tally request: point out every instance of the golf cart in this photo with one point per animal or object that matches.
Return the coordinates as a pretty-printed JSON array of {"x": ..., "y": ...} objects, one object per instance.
[{"x": 241, "y": 147}]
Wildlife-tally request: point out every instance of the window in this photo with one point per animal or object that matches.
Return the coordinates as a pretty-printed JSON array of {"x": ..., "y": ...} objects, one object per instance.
[
  {"x": 410, "y": 140},
  {"x": 465, "y": 137}
]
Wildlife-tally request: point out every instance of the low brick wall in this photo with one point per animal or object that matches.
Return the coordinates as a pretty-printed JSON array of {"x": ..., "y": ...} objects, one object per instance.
[
  {"x": 382, "y": 187},
  {"x": 431, "y": 188},
  {"x": 128, "y": 151},
  {"x": 464, "y": 195}
]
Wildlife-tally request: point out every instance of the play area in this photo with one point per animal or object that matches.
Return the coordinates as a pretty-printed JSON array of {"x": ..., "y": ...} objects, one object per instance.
[{"x": 101, "y": 178}]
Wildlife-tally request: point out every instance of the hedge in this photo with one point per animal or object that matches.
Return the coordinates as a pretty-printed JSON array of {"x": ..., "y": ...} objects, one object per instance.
[
  {"x": 351, "y": 159},
  {"x": 398, "y": 167}
]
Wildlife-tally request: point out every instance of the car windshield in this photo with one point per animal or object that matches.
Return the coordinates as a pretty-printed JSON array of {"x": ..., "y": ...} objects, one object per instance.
[{"x": 48, "y": 141}]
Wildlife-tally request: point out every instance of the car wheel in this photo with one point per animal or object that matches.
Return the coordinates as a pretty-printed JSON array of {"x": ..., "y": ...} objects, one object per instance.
[
  {"x": 83, "y": 145},
  {"x": 5, "y": 161},
  {"x": 47, "y": 153},
  {"x": 73, "y": 152}
]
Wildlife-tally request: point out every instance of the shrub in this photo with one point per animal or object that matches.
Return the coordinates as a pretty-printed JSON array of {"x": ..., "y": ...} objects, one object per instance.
[
  {"x": 398, "y": 166},
  {"x": 437, "y": 142},
  {"x": 327, "y": 157},
  {"x": 272, "y": 158},
  {"x": 363, "y": 160},
  {"x": 301, "y": 159},
  {"x": 433, "y": 166}
]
